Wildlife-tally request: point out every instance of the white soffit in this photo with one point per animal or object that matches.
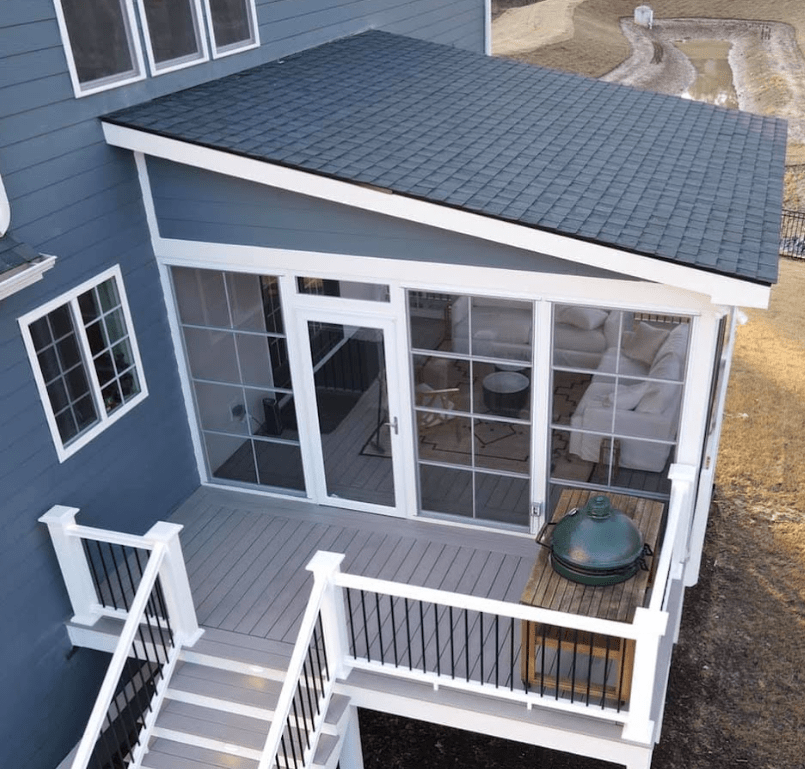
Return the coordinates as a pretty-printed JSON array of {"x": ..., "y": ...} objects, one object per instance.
[{"x": 721, "y": 289}]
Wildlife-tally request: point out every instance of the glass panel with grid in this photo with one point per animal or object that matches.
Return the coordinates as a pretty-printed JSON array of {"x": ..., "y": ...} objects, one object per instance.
[
  {"x": 471, "y": 358},
  {"x": 63, "y": 369},
  {"x": 107, "y": 334},
  {"x": 237, "y": 358}
]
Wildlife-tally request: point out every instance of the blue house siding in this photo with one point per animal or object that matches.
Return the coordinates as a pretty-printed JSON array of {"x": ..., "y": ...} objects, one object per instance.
[
  {"x": 76, "y": 198},
  {"x": 193, "y": 204}
]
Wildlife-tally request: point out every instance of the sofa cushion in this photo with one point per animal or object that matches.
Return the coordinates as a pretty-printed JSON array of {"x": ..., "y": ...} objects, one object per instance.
[
  {"x": 586, "y": 318},
  {"x": 676, "y": 343},
  {"x": 643, "y": 343},
  {"x": 628, "y": 395},
  {"x": 660, "y": 396}
]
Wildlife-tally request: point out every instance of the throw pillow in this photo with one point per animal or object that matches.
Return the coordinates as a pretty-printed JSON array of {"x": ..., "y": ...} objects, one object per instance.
[
  {"x": 586, "y": 318},
  {"x": 642, "y": 343}
]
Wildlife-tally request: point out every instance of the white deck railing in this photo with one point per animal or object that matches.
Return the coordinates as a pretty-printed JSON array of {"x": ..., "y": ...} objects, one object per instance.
[
  {"x": 439, "y": 637},
  {"x": 157, "y": 606}
]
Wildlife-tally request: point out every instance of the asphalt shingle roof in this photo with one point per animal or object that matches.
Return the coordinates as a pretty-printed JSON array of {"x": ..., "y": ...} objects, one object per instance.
[
  {"x": 648, "y": 173},
  {"x": 13, "y": 253}
]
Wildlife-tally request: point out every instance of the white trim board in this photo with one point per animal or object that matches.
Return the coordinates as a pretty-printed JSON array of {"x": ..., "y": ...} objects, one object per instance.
[
  {"x": 24, "y": 275},
  {"x": 720, "y": 288}
]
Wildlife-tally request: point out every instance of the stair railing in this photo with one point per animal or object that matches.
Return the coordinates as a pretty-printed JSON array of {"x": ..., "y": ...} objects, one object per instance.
[
  {"x": 105, "y": 576},
  {"x": 302, "y": 706}
]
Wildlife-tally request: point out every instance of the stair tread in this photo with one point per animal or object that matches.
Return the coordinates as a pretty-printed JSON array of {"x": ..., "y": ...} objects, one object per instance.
[
  {"x": 164, "y": 753},
  {"x": 221, "y": 725},
  {"x": 228, "y": 685}
]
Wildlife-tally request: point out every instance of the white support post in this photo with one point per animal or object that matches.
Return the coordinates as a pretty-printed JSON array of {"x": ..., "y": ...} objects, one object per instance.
[
  {"x": 73, "y": 562},
  {"x": 175, "y": 583},
  {"x": 651, "y": 626},
  {"x": 351, "y": 751},
  {"x": 325, "y": 566}
]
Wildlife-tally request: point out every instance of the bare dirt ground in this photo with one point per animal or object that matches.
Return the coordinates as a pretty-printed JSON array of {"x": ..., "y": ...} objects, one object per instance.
[{"x": 737, "y": 690}]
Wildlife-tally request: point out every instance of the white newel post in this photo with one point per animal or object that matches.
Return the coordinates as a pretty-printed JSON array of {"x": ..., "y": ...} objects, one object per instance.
[
  {"x": 175, "y": 584},
  {"x": 60, "y": 520},
  {"x": 651, "y": 626},
  {"x": 325, "y": 566}
]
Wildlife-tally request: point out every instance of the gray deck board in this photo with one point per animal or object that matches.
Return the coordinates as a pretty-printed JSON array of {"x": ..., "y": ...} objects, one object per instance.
[{"x": 246, "y": 557}]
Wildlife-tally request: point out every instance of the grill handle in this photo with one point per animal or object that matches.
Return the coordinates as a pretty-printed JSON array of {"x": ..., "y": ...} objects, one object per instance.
[{"x": 542, "y": 531}]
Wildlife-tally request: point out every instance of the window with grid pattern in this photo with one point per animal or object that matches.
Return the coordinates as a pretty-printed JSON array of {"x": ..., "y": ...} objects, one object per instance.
[{"x": 85, "y": 360}]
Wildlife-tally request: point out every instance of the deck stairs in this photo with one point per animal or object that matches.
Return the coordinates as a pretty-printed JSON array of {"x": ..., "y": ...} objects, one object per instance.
[{"x": 219, "y": 704}]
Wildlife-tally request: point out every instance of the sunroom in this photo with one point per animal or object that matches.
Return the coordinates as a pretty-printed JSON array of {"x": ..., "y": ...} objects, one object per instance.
[{"x": 390, "y": 297}]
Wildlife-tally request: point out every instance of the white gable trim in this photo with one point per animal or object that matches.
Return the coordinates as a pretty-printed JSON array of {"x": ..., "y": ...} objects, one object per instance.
[
  {"x": 24, "y": 275},
  {"x": 720, "y": 288}
]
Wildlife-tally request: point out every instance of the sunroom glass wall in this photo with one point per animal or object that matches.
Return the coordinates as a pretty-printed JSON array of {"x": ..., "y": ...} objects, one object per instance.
[
  {"x": 471, "y": 358},
  {"x": 617, "y": 394},
  {"x": 237, "y": 358}
]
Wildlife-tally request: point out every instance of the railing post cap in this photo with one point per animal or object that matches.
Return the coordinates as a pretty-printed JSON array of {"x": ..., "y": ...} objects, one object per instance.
[
  {"x": 162, "y": 531},
  {"x": 324, "y": 562},
  {"x": 59, "y": 514},
  {"x": 650, "y": 620}
]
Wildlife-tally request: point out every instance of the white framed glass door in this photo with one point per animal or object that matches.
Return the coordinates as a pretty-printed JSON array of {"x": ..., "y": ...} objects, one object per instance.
[{"x": 349, "y": 365}]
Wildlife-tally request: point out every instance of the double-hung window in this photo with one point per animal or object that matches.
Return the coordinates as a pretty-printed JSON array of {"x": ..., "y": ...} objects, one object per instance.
[{"x": 85, "y": 360}]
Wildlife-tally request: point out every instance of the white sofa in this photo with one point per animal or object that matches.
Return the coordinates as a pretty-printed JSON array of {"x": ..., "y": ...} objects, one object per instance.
[
  {"x": 645, "y": 403},
  {"x": 503, "y": 329}
]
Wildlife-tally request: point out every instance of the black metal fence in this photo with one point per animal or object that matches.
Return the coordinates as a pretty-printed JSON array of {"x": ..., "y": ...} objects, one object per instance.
[
  {"x": 792, "y": 234},
  {"x": 116, "y": 571}
]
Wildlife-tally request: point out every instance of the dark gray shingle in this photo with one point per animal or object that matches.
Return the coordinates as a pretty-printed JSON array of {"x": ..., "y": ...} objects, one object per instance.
[{"x": 671, "y": 178}]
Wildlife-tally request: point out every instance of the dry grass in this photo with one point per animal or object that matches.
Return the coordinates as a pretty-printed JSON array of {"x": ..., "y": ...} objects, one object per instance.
[{"x": 736, "y": 695}]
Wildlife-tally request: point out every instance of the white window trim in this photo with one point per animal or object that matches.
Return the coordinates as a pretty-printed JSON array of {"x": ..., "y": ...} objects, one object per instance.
[
  {"x": 104, "y": 84},
  {"x": 219, "y": 53},
  {"x": 104, "y": 419},
  {"x": 182, "y": 62}
]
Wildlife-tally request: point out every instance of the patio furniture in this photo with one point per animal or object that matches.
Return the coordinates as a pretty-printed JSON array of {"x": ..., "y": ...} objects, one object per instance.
[{"x": 547, "y": 589}]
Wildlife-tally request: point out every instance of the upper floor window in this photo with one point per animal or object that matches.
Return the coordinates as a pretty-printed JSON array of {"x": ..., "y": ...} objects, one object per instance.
[
  {"x": 85, "y": 360},
  {"x": 100, "y": 43},
  {"x": 103, "y": 43},
  {"x": 174, "y": 38},
  {"x": 232, "y": 25}
]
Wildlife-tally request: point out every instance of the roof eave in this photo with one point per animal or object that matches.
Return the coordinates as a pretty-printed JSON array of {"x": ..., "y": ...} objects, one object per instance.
[
  {"x": 721, "y": 289},
  {"x": 24, "y": 275}
]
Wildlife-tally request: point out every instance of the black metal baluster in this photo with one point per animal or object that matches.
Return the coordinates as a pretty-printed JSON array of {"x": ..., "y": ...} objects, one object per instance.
[
  {"x": 481, "y": 641},
  {"x": 466, "y": 644},
  {"x": 422, "y": 634},
  {"x": 452, "y": 645},
  {"x": 301, "y": 726},
  {"x": 497, "y": 650},
  {"x": 164, "y": 609},
  {"x": 128, "y": 571},
  {"x": 379, "y": 629},
  {"x": 511, "y": 655},
  {"x": 606, "y": 674},
  {"x": 408, "y": 634},
  {"x": 118, "y": 581},
  {"x": 284, "y": 751},
  {"x": 95, "y": 579},
  {"x": 106, "y": 575},
  {"x": 622, "y": 642},
  {"x": 438, "y": 645},
  {"x": 394, "y": 632},
  {"x": 314, "y": 710},
  {"x": 560, "y": 633},
  {"x": 365, "y": 626},
  {"x": 590, "y": 668},
  {"x": 544, "y": 629},
  {"x": 351, "y": 623},
  {"x": 573, "y": 664}
]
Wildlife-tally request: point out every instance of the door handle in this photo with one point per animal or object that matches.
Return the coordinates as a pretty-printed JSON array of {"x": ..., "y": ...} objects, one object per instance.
[{"x": 393, "y": 425}]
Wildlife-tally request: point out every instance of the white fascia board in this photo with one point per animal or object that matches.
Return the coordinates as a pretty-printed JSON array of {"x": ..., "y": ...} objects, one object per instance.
[
  {"x": 24, "y": 275},
  {"x": 720, "y": 288},
  {"x": 5, "y": 209}
]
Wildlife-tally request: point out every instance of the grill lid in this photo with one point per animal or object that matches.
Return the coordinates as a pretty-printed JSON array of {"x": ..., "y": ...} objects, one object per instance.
[{"x": 597, "y": 544}]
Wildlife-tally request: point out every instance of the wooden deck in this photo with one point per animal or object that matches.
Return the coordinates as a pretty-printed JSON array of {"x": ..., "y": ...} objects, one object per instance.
[{"x": 246, "y": 557}]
